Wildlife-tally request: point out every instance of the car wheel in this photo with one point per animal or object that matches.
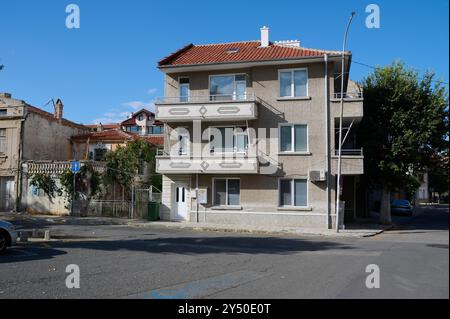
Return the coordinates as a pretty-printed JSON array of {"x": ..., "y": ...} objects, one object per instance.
[{"x": 3, "y": 242}]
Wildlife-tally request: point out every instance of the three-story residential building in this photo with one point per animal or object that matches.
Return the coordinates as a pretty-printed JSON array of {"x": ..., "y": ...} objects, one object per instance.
[{"x": 250, "y": 134}]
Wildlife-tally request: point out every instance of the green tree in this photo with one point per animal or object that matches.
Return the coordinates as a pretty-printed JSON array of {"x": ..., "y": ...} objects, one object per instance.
[
  {"x": 405, "y": 124},
  {"x": 122, "y": 164}
]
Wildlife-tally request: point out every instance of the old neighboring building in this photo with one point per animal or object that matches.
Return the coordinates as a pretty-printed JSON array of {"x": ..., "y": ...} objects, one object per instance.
[
  {"x": 143, "y": 123},
  {"x": 29, "y": 133},
  {"x": 251, "y": 134}
]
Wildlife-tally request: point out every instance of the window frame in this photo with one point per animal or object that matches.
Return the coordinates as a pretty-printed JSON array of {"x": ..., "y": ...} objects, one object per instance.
[
  {"x": 293, "y": 151},
  {"x": 4, "y": 137},
  {"x": 292, "y": 96},
  {"x": 234, "y": 127},
  {"x": 180, "y": 85},
  {"x": 292, "y": 181},
  {"x": 214, "y": 204},
  {"x": 234, "y": 94}
]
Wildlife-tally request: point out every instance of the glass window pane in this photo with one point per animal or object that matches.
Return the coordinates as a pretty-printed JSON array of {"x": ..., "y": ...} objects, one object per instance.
[
  {"x": 286, "y": 139},
  {"x": 228, "y": 139},
  {"x": 300, "y": 82},
  {"x": 301, "y": 192},
  {"x": 220, "y": 191},
  {"x": 221, "y": 87},
  {"x": 240, "y": 90},
  {"x": 285, "y": 84},
  {"x": 240, "y": 77},
  {"x": 234, "y": 192},
  {"x": 241, "y": 143},
  {"x": 301, "y": 139},
  {"x": 184, "y": 92},
  {"x": 285, "y": 192}
]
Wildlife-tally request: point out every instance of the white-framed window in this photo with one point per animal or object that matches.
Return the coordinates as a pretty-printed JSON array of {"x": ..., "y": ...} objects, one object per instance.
[
  {"x": 228, "y": 139},
  {"x": 2, "y": 141},
  {"x": 228, "y": 87},
  {"x": 293, "y": 82},
  {"x": 226, "y": 191},
  {"x": 184, "y": 89},
  {"x": 183, "y": 144},
  {"x": 293, "y": 192},
  {"x": 3, "y": 112},
  {"x": 293, "y": 138}
]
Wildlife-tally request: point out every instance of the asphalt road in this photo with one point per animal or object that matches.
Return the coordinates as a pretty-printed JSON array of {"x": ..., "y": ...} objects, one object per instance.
[{"x": 117, "y": 261}]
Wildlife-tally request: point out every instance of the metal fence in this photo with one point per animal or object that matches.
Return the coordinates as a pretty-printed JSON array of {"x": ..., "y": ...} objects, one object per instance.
[{"x": 109, "y": 208}]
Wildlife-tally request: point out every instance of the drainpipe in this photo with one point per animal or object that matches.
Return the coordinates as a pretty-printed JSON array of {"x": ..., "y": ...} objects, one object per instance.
[
  {"x": 18, "y": 185},
  {"x": 196, "y": 196},
  {"x": 327, "y": 142}
]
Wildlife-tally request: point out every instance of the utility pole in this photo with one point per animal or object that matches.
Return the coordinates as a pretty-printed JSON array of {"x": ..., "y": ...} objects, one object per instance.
[{"x": 339, "y": 177}]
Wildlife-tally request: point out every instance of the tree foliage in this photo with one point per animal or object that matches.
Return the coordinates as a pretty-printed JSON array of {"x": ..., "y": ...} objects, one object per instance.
[
  {"x": 123, "y": 163},
  {"x": 405, "y": 124},
  {"x": 45, "y": 183},
  {"x": 88, "y": 183}
]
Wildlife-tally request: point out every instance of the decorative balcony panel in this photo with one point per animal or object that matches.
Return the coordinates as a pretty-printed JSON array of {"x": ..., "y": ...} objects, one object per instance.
[
  {"x": 209, "y": 108},
  {"x": 238, "y": 165}
]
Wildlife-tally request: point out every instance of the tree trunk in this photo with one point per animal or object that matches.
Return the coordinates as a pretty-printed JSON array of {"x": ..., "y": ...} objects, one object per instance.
[{"x": 385, "y": 209}]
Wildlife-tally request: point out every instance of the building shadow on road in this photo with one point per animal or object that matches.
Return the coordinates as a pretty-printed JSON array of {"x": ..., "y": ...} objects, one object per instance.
[{"x": 209, "y": 245}]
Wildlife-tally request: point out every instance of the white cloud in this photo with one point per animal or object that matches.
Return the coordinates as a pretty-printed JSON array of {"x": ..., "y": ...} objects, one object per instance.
[
  {"x": 152, "y": 91},
  {"x": 137, "y": 105}
]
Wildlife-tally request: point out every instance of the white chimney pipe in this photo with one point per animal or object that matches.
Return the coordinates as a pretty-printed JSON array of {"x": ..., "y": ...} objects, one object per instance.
[{"x": 264, "y": 37}]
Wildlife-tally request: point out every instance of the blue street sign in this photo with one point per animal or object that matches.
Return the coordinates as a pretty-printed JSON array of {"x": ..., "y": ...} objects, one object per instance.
[{"x": 75, "y": 167}]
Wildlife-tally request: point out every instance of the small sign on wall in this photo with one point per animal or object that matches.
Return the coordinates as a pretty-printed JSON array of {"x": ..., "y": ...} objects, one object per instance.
[{"x": 203, "y": 195}]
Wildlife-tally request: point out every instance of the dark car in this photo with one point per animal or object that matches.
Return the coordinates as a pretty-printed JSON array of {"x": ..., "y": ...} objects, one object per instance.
[{"x": 401, "y": 207}]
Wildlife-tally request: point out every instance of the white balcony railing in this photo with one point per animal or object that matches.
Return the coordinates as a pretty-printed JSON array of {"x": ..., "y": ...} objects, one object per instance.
[
  {"x": 217, "y": 98},
  {"x": 349, "y": 95}
]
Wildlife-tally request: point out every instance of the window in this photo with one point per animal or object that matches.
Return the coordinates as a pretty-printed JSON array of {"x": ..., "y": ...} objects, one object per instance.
[
  {"x": 293, "y": 83},
  {"x": 155, "y": 129},
  {"x": 227, "y": 191},
  {"x": 3, "y": 112},
  {"x": 99, "y": 154},
  {"x": 294, "y": 138},
  {"x": 134, "y": 129},
  {"x": 183, "y": 144},
  {"x": 294, "y": 192},
  {"x": 2, "y": 141},
  {"x": 184, "y": 89},
  {"x": 140, "y": 117},
  {"x": 228, "y": 140},
  {"x": 228, "y": 87}
]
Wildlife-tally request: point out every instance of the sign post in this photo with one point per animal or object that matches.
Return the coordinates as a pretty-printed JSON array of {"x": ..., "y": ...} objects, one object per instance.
[{"x": 75, "y": 169}]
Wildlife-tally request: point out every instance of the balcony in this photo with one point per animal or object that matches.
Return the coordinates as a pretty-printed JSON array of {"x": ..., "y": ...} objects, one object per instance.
[
  {"x": 352, "y": 162},
  {"x": 353, "y": 105},
  {"x": 207, "y": 108},
  {"x": 212, "y": 165}
]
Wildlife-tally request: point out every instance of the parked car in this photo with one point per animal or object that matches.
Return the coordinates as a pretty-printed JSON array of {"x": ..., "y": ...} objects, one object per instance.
[
  {"x": 401, "y": 207},
  {"x": 8, "y": 235}
]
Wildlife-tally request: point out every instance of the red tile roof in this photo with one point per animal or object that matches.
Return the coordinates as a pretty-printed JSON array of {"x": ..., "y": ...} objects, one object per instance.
[
  {"x": 108, "y": 135},
  {"x": 117, "y": 136},
  {"x": 237, "y": 52},
  {"x": 108, "y": 126}
]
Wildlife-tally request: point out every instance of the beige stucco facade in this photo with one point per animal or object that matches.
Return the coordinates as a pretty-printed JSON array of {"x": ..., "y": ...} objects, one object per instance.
[
  {"x": 31, "y": 134},
  {"x": 260, "y": 191}
]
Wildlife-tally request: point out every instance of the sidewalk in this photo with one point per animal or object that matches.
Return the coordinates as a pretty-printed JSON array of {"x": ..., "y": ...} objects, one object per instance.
[
  {"x": 355, "y": 233},
  {"x": 43, "y": 221}
]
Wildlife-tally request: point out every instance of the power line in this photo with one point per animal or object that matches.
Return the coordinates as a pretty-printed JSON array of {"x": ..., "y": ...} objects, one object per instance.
[{"x": 377, "y": 67}]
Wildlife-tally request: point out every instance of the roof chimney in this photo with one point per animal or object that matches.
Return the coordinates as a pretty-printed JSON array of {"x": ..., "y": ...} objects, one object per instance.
[
  {"x": 99, "y": 127},
  {"x": 264, "y": 37},
  {"x": 59, "y": 109},
  {"x": 5, "y": 95}
]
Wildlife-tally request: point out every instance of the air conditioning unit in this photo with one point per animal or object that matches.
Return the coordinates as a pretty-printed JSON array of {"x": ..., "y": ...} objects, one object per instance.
[{"x": 317, "y": 176}]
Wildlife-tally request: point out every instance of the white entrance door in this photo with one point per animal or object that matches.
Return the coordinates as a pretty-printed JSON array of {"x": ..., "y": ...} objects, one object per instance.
[{"x": 181, "y": 207}]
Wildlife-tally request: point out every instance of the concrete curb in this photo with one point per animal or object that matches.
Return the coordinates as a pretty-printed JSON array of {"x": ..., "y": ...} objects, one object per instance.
[{"x": 252, "y": 230}]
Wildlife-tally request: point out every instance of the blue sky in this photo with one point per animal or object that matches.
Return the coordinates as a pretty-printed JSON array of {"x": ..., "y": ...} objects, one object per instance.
[{"x": 108, "y": 67}]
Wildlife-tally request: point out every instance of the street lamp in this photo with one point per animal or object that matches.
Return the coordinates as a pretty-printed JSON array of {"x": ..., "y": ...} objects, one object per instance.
[{"x": 339, "y": 177}]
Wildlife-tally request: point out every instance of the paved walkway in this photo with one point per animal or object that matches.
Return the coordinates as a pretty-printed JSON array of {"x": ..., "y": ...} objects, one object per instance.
[
  {"x": 363, "y": 232},
  {"x": 41, "y": 221}
]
